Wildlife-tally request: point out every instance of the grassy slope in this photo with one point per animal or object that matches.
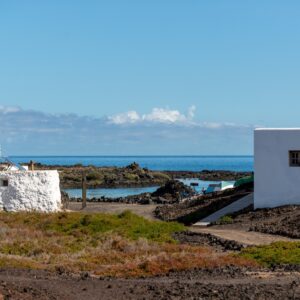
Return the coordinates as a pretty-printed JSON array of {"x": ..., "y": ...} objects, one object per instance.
[
  {"x": 274, "y": 254},
  {"x": 104, "y": 244}
]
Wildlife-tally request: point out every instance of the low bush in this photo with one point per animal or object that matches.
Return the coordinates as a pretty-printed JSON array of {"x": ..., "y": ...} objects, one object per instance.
[
  {"x": 225, "y": 220},
  {"x": 94, "y": 176},
  {"x": 131, "y": 177},
  {"x": 278, "y": 253},
  {"x": 103, "y": 244},
  {"x": 126, "y": 224},
  {"x": 161, "y": 176}
]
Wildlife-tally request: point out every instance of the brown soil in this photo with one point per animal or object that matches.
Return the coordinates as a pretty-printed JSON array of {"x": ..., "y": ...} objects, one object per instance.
[
  {"x": 194, "y": 236},
  {"x": 240, "y": 236},
  {"x": 284, "y": 221},
  {"x": 141, "y": 210},
  {"x": 227, "y": 283}
]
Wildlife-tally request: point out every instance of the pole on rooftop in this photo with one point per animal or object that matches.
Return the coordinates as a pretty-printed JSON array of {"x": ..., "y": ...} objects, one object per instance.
[
  {"x": 31, "y": 165},
  {"x": 83, "y": 190}
]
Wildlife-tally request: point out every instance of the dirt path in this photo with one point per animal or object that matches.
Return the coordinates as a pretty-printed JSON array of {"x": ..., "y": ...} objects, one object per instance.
[
  {"x": 241, "y": 236},
  {"x": 220, "y": 284},
  {"x": 141, "y": 210}
]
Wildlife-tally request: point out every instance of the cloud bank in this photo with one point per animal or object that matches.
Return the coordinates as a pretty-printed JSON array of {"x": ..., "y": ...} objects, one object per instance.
[
  {"x": 157, "y": 115},
  {"x": 161, "y": 131}
]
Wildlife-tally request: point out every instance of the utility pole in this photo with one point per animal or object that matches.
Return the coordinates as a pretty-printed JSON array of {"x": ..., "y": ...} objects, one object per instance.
[{"x": 83, "y": 190}]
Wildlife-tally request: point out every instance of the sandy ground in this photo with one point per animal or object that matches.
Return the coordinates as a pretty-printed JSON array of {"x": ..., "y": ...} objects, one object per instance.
[
  {"x": 198, "y": 284},
  {"x": 241, "y": 236},
  {"x": 141, "y": 210},
  {"x": 226, "y": 283}
]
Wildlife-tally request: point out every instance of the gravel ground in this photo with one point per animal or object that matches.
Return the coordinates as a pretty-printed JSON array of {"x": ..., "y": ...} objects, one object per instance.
[
  {"x": 207, "y": 239},
  {"x": 228, "y": 283},
  {"x": 141, "y": 210},
  {"x": 219, "y": 283},
  {"x": 283, "y": 221}
]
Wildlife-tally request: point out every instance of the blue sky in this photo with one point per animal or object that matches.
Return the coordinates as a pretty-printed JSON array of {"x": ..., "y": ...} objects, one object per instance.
[{"x": 146, "y": 77}]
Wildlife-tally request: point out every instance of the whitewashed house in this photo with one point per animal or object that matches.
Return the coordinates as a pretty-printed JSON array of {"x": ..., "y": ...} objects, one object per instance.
[
  {"x": 25, "y": 190},
  {"x": 276, "y": 167}
]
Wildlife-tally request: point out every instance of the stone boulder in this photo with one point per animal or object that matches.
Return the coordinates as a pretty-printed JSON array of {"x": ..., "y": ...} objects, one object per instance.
[{"x": 173, "y": 190}]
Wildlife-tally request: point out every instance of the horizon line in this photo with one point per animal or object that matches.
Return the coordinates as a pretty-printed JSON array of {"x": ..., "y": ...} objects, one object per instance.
[{"x": 139, "y": 155}]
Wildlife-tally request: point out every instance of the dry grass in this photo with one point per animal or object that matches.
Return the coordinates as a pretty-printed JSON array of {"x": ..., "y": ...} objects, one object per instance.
[
  {"x": 114, "y": 245},
  {"x": 278, "y": 253}
]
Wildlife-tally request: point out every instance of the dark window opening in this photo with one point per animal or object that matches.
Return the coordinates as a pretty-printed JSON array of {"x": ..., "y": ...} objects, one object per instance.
[
  {"x": 4, "y": 182},
  {"x": 295, "y": 158}
]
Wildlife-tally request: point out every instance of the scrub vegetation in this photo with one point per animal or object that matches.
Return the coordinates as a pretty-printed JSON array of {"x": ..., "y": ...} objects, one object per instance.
[
  {"x": 131, "y": 176},
  {"x": 103, "y": 244},
  {"x": 225, "y": 220},
  {"x": 279, "y": 253}
]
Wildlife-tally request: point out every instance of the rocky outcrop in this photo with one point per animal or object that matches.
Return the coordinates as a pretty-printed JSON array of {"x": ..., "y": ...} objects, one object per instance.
[
  {"x": 130, "y": 176},
  {"x": 209, "y": 175},
  {"x": 174, "y": 191},
  {"x": 107, "y": 177},
  {"x": 283, "y": 220}
]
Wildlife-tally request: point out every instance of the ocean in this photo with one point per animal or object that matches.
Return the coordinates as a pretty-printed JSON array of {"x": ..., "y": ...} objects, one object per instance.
[
  {"x": 123, "y": 192},
  {"x": 172, "y": 163}
]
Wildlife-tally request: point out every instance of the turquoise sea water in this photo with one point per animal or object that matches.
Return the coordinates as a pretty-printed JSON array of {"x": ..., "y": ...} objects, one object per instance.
[
  {"x": 123, "y": 192},
  {"x": 111, "y": 193},
  {"x": 173, "y": 163}
]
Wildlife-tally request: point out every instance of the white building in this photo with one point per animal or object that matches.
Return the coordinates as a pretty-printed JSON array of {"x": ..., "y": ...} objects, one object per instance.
[
  {"x": 30, "y": 191},
  {"x": 276, "y": 167}
]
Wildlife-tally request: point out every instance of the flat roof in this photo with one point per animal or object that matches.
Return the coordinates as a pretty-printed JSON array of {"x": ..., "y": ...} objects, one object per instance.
[{"x": 277, "y": 129}]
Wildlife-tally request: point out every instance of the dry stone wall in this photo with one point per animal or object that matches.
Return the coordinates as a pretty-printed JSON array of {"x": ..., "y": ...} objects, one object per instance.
[{"x": 30, "y": 191}]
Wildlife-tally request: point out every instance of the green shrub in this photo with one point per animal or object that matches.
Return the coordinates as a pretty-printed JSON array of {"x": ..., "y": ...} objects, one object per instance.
[
  {"x": 94, "y": 176},
  {"x": 77, "y": 224},
  {"x": 161, "y": 176},
  {"x": 131, "y": 177},
  {"x": 225, "y": 220},
  {"x": 274, "y": 254}
]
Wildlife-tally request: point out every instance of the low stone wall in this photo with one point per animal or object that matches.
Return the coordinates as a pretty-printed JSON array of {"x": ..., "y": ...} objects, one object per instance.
[{"x": 30, "y": 191}]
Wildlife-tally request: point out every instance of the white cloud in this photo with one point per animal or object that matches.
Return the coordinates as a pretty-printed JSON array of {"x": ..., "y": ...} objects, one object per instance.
[
  {"x": 191, "y": 112},
  {"x": 213, "y": 125},
  {"x": 161, "y": 115},
  {"x": 9, "y": 109},
  {"x": 161, "y": 131},
  {"x": 157, "y": 115},
  {"x": 123, "y": 118}
]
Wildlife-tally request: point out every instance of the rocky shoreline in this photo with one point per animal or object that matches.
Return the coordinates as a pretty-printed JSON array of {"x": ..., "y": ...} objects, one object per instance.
[
  {"x": 172, "y": 192},
  {"x": 208, "y": 175},
  {"x": 130, "y": 176}
]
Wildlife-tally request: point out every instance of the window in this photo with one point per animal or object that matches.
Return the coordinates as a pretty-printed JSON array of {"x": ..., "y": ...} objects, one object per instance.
[
  {"x": 295, "y": 158},
  {"x": 3, "y": 182}
]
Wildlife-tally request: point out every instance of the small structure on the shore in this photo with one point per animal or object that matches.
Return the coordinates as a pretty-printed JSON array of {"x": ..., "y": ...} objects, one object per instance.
[
  {"x": 28, "y": 190},
  {"x": 220, "y": 186},
  {"x": 276, "y": 167}
]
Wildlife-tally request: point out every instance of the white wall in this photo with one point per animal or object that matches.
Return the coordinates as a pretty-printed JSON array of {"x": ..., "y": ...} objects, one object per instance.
[
  {"x": 30, "y": 191},
  {"x": 275, "y": 182}
]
